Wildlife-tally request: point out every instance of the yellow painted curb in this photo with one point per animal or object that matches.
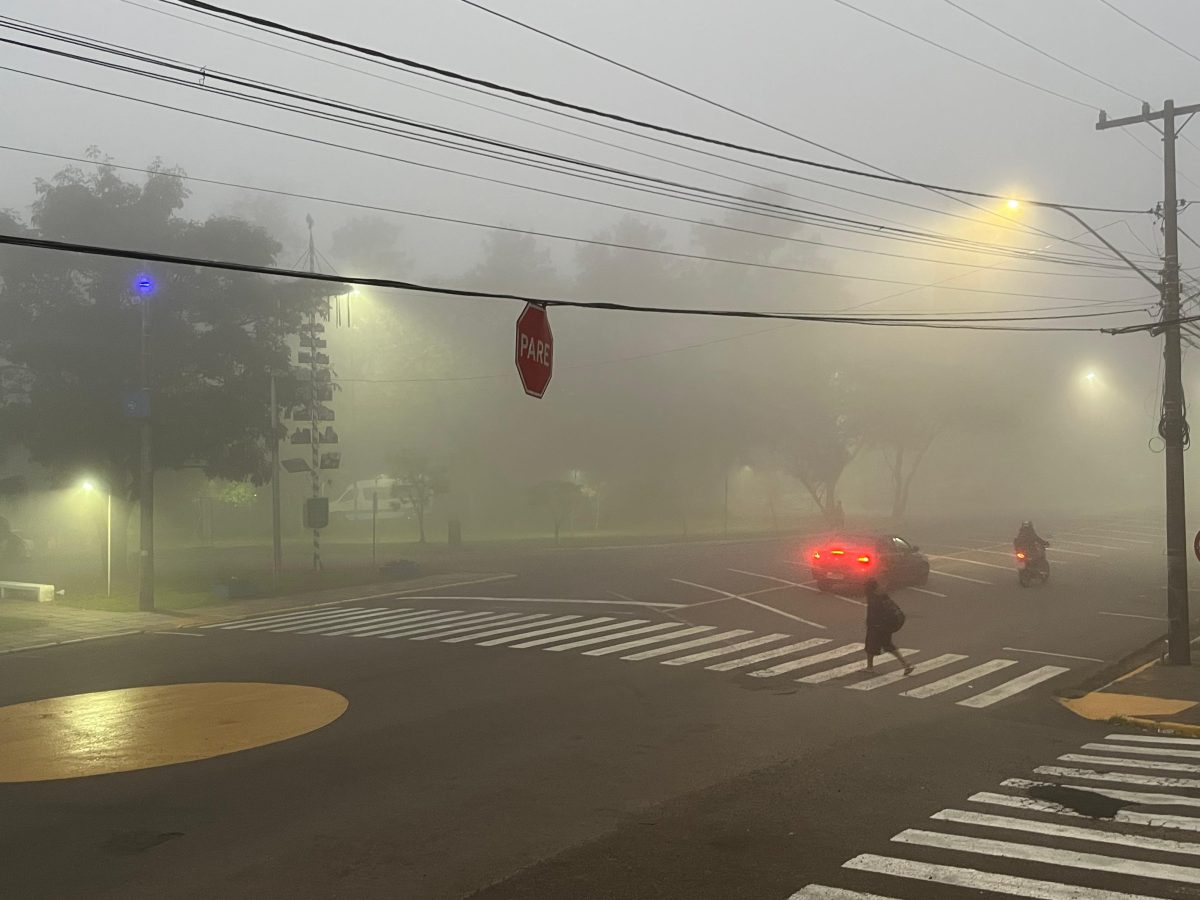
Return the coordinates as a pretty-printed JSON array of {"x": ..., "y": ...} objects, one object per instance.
[
  {"x": 1102, "y": 707},
  {"x": 1160, "y": 727}
]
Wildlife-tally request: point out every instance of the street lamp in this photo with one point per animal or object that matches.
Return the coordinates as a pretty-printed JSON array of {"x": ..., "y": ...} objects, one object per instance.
[{"x": 90, "y": 486}]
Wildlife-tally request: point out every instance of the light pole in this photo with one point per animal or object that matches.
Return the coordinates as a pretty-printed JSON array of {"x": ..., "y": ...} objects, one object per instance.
[
  {"x": 90, "y": 486},
  {"x": 144, "y": 285}
]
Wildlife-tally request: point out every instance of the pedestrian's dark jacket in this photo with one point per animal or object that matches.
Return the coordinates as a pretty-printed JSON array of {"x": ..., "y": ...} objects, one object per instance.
[{"x": 879, "y": 611}]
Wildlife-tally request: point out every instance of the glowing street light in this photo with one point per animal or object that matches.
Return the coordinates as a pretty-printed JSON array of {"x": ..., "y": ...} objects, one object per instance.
[
  {"x": 89, "y": 486},
  {"x": 1014, "y": 204}
]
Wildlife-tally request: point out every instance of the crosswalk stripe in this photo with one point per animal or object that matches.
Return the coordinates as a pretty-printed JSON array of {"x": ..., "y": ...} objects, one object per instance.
[
  {"x": 474, "y": 623},
  {"x": 958, "y": 679},
  {"x": 398, "y": 615},
  {"x": 959, "y": 577},
  {"x": 606, "y": 630},
  {"x": 260, "y": 625},
  {"x": 258, "y": 620},
  {"x": 1034, "y": 853},
  {"x": 1122, "y": 777},
  {"x": 805, "y": 661},
  {"x": 1123, "y": 816},
  {"x": 506, "y": 629},
  {"x": 1013, "y": 885},
  {"x": 732, "y": 664},
  {"x": 407, "y": 619},
  {"x": 1033, "y": 826},
  {"x": 373, "y": 615},
  {"x": 1013, "y": 687},
  {"x": 508, "y": 638},
  {"x": 510, "y": 618},
  {"x": 850, "y": 669},
  {"x": 1148, "y": 799},
  {"x": 724, "y": 651},
  {"x": 653, "y": 639},
  {"x": 687, "y": 645},
  {"x": 1145, "y": 751},
  {"x": 823, "y": 892},
  {"x": 1129, "y": 763},
  {"x": 1153, "y": 739},
  {"x": 919, "y": 669},
  {"x": 409, "y": 628},
  {"x": 434, "y": 618}
]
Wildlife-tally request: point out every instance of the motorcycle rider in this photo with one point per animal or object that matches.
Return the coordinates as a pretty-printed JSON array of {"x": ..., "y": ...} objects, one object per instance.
[{"x": 1030, "y": 542}]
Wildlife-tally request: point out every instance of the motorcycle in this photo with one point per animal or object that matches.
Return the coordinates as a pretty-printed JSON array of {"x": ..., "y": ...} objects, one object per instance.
[{"x": 1032, "y": 567}]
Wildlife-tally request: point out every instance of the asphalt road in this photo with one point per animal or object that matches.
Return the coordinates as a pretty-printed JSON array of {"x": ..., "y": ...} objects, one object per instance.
[{"x": 672, "y": 721}]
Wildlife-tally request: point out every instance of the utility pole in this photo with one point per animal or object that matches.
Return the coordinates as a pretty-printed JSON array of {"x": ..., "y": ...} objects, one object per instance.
[
  {"x": 276, "y": 521},
  {"x": 1172, "y": 426},
  {"x": 146, "y": 486}
]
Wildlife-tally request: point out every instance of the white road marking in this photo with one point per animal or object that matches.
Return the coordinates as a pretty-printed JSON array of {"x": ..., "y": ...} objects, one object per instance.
[
  {"x": 688, "y": 645},
  {"x": 1086, "y": 544},
  {"x": 440, "y": 587},
  {"x": 439, "y": 617},
  {"x": 821, "y": 892},
  {"x": 614, "y": 631},
  {"x": 285, "y": 617},
  {"x": 1072, "y": 832},
  {"x": 1145, "y": 751},
  {"x": 1153, "y": 739},
  {"x": 726, "y": 650},
  {"x": 783, "y": 581},
  {"x": 1120, "y": 777},
  {"x": 624, "y": 597},
  {"x": 1123, "y": 816},
  {"x": 1048, "y": 653},
  {"x": 326, "y": 618},
  {"x": 508, "y": 618},
  {"x": 959, "y": 577},
  {"x": 1014, "y": 687},
  {"x": 374, "y": 616},
  {"x": 729, "y": 596},
  {"x": 973, "y": 562},
  {"x": 919, "y": 669},
  {"x": 851, "y": 668},
  {"x": 509, "y": 638},
  {"x": 786, "y": 650},
  {"x": 1106, "y": 531},
  {"x": 1106, "y": 537},
  {"x": 506, "y": 629},
  {"x": 1138, "y": 797},
  {"x": 1012, "y": 885},
  {"x": 353, "y": 628},
  {"x": 958, "y": 679},
  {"x": 426, "y": 627},
  {"x": 1152, "y": 764},
  {"x": 653, "y": 639},
  {"x": 1033, "y": 853},
  {"x": 805, "y": 661},
  {"x": 921, "y": 590},
  {"x": 1056, "y": 549},
  {"x": 178, "y": 633},
  {"x": 558, "y": 600},
  {"x": 1134, "y": 616}
]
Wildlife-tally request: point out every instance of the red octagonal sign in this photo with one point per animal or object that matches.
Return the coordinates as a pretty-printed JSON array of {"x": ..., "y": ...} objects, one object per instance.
[{"x": 535, "y": 349}]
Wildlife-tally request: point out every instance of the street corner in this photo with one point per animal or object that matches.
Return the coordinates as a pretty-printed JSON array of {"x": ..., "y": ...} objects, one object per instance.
[
  {"x": 1152, "y": 696},
  {"x": 130, "y": 729}
]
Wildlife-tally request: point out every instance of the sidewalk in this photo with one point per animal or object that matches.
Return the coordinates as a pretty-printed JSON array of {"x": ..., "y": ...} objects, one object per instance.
[
  {"x": 28, "y": 625},
  {"x": 1153, "y": 696}
]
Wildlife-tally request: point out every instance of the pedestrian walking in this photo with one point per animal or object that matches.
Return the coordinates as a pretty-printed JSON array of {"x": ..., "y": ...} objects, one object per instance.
[{"x": 884, "y": 619}]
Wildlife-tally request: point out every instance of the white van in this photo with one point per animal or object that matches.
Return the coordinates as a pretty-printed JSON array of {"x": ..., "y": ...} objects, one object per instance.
[{"x": 355, "y": 502}]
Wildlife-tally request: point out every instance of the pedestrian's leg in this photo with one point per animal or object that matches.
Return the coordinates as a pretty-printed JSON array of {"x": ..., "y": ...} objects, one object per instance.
[
  {"x": 870, "y": 661},
  {"x": 904, "y": 662}
]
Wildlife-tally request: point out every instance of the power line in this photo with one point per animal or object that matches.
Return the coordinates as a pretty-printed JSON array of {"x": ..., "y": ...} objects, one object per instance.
[
  {"x": 976, "y": 323},
  {"x": 1039, "y": 50},
  {"x": 496, "y": 86},
  {"x": 1166, "y": 40}
]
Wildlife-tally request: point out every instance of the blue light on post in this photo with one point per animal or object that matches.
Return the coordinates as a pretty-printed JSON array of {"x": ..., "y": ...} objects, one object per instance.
[{"x": 143, "y": 284}]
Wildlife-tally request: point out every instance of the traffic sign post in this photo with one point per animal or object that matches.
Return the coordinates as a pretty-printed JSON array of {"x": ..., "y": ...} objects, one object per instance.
[{"x": 534, "y": 349}]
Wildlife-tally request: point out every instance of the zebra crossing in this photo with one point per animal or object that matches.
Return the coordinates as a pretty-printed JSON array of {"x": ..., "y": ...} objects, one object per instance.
[
  {"x": 1140, "y": 840},
  {"x": 810, "y": 661}
]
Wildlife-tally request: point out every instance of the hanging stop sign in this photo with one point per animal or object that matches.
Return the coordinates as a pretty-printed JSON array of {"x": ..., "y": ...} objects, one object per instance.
[{"x": 535, "y": 349}]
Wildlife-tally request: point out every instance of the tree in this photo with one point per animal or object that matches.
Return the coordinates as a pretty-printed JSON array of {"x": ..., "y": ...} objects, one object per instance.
[
  {"x": 70, "y": 335},
  {"x": 416, "y": 482},
  {"x": 827, "y": 440},
  {"x": 558, "y": 498}
]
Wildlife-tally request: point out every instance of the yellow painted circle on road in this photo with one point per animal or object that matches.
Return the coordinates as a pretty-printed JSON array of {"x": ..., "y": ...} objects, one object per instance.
[{"x": 161, "y": 725}]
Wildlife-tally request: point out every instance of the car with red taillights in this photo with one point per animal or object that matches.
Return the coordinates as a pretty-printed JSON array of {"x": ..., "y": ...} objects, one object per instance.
[{"x": 848, "y": 560}]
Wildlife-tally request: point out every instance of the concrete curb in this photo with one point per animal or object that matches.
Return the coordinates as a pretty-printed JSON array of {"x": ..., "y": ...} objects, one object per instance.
[
  {"x": 1177, "y": 728},
  {"x": 78, "y": 640}
]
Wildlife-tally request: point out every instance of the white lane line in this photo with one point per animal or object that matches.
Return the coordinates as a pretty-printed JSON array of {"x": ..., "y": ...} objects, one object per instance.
[
  {"x": 850, "y": 669},
  {"x": 507, "y": 618},
  {"x": 1119, "y": 777},
  {"x": 1134, "y": 616},
  {"x": 687, "y": 645},
  {"x": 1013, "y": 885},
  {"x": 327, "y": 617},
  {"x": 729, "y": 596},
  {"x": 960, "y": 577},
  {"x": 1072, "y": 832},
  {"x": 919, "y": 669},
  {"x": 407, "y": 629},
  {"x": 1145, "y": 751},
  {"x": 1151, "y": 764},
  {"x": 653, "y": 639},
  {"x": 284, "y": 617},
  {"x": 1123, "y": 816},
  {"x": 782, "y": 581},
  {"x": 1106, "y": 531},
  {"x": 1055, "y": 857},
  {"x": 439, "y": 587},
  {"x": 509, "y": 638},
  {"x": 1013, "y": 687},
  {"x": 726, "y": 650},
  {"x": 506, "y": 629},
  {"x": 921, "y": 590},
  {"x": 958, "y": 679},
  {"x": 1153, "y": 739},
  {"x": 375, "y": 616},
  {"x": 823, "y": 892},
  {"x": 805, "y": 661},
  {"x": 1105, "y": 537},
  {"x": 1049, "y": 653},
  {"x": 423, "y": 617},
  {"x": 1086, "y": 544},
  {"x": 1139, "y": 797},
  {"x": 569, "y": 600},
  {"x": 785, "y": 650},
  {"x": 624, "y": 626},
  {"x": 973, "y": 562},
  {"x": 1052, "y": 550}
]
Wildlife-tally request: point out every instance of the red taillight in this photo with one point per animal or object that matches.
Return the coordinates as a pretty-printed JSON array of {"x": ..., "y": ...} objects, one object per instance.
[
  {"x": 1020, "y": 555},
  {"x": 865, "y": 560}
]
